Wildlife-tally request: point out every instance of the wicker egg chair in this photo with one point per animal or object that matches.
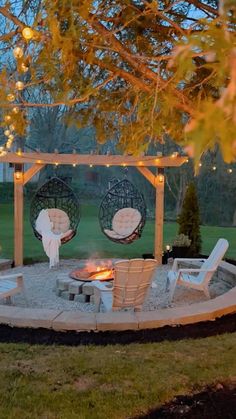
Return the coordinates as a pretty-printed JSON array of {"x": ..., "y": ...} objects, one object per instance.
[
  {"x": 62, "y": 206},
  {"x": 122, "y": 213}
]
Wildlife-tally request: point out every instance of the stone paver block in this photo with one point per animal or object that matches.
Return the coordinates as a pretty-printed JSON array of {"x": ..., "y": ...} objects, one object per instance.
[
  {"x": 80, "y": 298},
  {"x": 117, "y": 321},
  {"x": 75, "y": 287},
  {"x": 28, "y": 317},
  {"x": 91, "y": 299},
  {"x": 88, "y": 289},
  {"x": 63, "y": 283},
  {"x": 69, "y": 320},
  {"x": 66, "y": 295}
]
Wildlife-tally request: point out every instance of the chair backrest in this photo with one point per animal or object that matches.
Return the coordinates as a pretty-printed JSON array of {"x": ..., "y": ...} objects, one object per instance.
[
  {"x": 132, "y": 280},
  {"x": 59, "y": 219},
  {"x": 213, "y": 260},
  {"x": 126, "y": 220}
]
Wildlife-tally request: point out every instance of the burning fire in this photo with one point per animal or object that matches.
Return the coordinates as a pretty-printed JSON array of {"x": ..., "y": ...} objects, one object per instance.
[
  {"x": 94, "y": 271},
  {"x": 101, "y": 274}
]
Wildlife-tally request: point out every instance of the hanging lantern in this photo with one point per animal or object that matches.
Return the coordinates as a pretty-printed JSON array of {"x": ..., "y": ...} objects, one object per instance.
[
  {"x": 12, "y": 127},
  {"x": 19, "y": 85},
  {"x": 11, "y": 137},
  {"x": 7, "y": 132},
  {"x": 7, "y": 118},
  {"x": 18, "y": 52},
  {"x": 28, "y": 33},
  {"x": 10, "y": 97},
  {"x": 15, "y": 110}
]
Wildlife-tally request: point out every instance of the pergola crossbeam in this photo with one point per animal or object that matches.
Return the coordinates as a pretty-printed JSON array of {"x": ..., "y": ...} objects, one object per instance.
[{"x": 93, "y": 159}]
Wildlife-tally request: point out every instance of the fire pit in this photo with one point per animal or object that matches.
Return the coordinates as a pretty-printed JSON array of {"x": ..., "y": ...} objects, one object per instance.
[{"x": 92, "y": 272}]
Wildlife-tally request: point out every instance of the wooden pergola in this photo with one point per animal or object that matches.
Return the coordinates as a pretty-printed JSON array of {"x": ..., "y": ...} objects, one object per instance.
[{"x": 39, "y": 160}]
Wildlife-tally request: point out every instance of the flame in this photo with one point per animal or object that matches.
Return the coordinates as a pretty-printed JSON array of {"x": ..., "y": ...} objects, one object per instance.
[{"x": 102, "y": 274}]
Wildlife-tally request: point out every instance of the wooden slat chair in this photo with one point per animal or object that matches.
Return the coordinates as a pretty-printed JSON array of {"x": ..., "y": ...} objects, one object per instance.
[
  {"x": 200, "y": 278},
  {"x": 11, "y": 285},
  {"x": 132, "y": 279}
]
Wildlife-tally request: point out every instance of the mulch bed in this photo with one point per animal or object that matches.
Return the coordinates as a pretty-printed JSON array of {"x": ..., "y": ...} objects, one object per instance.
[{"x": 218, "y": 402}]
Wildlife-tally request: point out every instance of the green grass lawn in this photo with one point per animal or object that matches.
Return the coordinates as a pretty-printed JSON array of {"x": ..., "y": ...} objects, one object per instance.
[
  {"x": 87, "y": 382},
  {"x": 91, "y": 242}
]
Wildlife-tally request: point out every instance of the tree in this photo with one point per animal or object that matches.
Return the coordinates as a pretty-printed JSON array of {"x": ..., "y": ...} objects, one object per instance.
[
  {"x": 133, "y": 69},
  {"x": 189, "y": 220}
]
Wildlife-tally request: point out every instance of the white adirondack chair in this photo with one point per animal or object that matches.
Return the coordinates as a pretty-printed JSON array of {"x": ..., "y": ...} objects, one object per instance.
[
  {"x": 132, "y": 279},
  {"x": 11, "y": 285},
  {"x": 200, "y": 277}
]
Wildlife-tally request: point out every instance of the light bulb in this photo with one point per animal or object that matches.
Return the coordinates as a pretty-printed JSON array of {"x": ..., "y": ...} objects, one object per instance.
[
  {"x": 24, "y": 67},
  {"x": 28, "y": 33},
  {"x": 230, "y": 170},
  {"x": 15, "y": 110},
  {"x": 11, "y": 137},
  {"x": 10, "y": 97},
  {"x": 214, "y": 168},
  {"x": 18, "y": 52},
  {"x": 19, "y": 85},
  {"x": 7, "y": 118},
  {"x": 8, "y": 145},
  {"x": 7, "y": 132},
  {"x": 12, "y": 127}
]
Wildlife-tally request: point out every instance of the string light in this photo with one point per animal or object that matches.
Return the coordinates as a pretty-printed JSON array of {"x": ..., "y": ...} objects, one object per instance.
[
  {"x": 10, "y": 97},
  {"x": 107, "y": 165},
  {"x": 230, "y": 170},
  {"x": 19, "y": 85},
  {"x": 161, "y": 178},
  {"x": 18, "y": 52},
  {"x": 200, "y": 164},
  {"x": 24, "y": 68},
  {"x": 15, "y": 110},
  {"x": 74, "y": 165},
  {"x": 214, "y": 168},
  {"x": 7, "y": 118},
  {"x": 12, "y": 127},
  {"x": 11, "y": 137},
  {"x": 7, "y": 132},
  {"x": 28, "y": 33},
  {"x": 90, "y": 165}
]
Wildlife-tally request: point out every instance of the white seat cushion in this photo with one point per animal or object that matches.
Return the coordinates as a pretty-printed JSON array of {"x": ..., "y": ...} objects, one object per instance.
[
  {"x": 60, "y": 220},
  {"x": 125, "y": 221}
]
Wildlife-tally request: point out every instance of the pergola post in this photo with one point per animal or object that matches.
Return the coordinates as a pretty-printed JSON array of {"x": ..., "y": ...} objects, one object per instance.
[
  {"x": 159, "y": 218},
  {"x": 18, "y": 214},
  {"x": 20, "y": 179}
]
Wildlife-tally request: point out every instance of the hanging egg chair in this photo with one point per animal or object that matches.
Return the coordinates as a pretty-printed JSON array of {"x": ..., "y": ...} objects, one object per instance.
[
  {"x": 62, "y": 207},
  {"x": 122, "y": 213}
]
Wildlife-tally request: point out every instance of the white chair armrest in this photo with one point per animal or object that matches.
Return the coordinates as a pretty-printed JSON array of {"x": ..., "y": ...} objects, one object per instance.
[
  {"x": 186, "y": 270},
  {"x": 179, "y": 260}
]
